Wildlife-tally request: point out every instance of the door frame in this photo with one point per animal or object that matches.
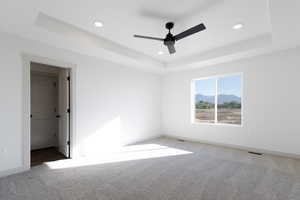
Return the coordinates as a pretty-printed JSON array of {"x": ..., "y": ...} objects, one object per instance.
[{"x": 26, "y": 62}]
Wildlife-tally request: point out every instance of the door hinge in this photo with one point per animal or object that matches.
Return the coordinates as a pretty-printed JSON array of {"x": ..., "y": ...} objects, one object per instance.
[
  {"x": 68, "y": 78},
  {"x": 68, "y": 110},
  {"x": 68, "y": 143}
]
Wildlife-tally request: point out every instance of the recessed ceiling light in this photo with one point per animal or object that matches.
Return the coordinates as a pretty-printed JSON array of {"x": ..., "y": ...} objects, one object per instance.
[
  {"x": 160, "y": 53},
  {"x": 98, "y": 24},
  {"x": 237, "y": 26}
]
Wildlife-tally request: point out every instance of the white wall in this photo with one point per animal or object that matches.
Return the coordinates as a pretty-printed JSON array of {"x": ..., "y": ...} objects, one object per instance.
[
  {"x": 271, "y": 104},
  {"x": 111, "y": 100}
]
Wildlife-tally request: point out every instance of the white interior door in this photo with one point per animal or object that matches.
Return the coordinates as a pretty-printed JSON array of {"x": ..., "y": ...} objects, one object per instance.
[
  {"x": 63, "y": 96},
  {"x": 44, "y": 127}
]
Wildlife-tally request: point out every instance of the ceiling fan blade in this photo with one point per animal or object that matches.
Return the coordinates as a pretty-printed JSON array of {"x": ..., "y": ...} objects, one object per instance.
[
  {"x": 190, "y": 31},
  {"x": 171, "y": 48},
  {"x": 147, "y": 37}
]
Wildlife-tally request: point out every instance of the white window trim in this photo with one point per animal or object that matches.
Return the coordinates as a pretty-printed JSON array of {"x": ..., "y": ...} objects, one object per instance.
[{"x": 216, "y": 123}]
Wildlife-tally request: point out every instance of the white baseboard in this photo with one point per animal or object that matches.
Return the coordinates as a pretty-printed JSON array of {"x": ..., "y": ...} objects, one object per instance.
[
  {"x": 12, "y": 171},
  {"x": 233, "y": 146},
  {"x": 152, "y": 137}
]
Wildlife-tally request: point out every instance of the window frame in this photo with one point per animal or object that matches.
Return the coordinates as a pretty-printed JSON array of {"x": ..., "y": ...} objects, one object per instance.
[{"x": 217, "y": 77}]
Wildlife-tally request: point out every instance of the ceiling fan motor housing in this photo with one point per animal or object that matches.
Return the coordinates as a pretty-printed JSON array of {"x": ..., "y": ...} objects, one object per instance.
[{"x": 169, "y": 40}]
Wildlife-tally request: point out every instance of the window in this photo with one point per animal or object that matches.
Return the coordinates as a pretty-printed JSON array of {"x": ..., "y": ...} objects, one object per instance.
[{"x": 218, "y": 100}]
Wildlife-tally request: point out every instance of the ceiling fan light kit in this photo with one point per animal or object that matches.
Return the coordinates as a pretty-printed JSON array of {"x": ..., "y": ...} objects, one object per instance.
[{"x": 170, "y": 39}]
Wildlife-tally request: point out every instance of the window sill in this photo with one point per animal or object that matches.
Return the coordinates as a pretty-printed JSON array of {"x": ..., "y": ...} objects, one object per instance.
[{"x": 216, "y": 124}]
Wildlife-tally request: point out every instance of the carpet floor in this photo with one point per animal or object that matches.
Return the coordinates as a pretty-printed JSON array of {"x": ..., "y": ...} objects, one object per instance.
[{"x": 161, "y": 169}]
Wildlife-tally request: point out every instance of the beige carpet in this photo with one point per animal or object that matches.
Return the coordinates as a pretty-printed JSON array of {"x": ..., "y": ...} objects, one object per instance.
[{"x": 162, "y": 169}]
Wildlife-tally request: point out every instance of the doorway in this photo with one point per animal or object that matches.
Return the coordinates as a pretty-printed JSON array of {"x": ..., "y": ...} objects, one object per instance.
[{"x": 50, "y": 134}]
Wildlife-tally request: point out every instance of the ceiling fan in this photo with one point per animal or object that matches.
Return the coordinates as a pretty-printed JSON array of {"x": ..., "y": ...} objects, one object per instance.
[{"x": 170, "y": 39}]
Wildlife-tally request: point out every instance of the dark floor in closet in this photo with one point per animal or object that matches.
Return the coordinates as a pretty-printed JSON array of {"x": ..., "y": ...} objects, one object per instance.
[{"x": 41, "y": 156}]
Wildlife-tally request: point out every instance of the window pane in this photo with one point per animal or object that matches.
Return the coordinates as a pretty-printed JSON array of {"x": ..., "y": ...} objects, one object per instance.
[
  {"x": 205, "y": 100},
  {"x": 229, "y": 100}
]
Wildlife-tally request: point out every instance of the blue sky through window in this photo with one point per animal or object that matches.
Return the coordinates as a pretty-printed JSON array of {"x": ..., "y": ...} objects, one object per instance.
[
  {"x": 229, "y": 85},
  {"x": 206, "y": 87}
]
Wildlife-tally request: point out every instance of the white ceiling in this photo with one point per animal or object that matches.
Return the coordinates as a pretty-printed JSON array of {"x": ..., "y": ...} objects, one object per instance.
[{"x": 123, "y": 19}]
